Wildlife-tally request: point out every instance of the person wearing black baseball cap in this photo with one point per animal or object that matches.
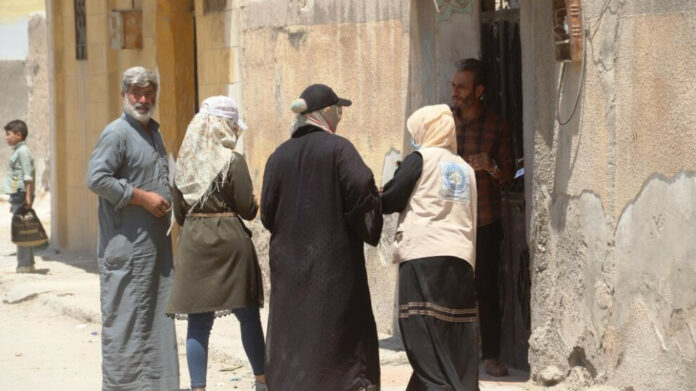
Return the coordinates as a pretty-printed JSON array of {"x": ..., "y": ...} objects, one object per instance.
[
  {"x": 319, "y": 105},
  {"x": 320, "y": 203}
]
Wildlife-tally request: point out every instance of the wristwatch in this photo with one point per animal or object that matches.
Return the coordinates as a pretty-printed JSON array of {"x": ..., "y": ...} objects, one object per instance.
[{"x": 495, "y": 168}]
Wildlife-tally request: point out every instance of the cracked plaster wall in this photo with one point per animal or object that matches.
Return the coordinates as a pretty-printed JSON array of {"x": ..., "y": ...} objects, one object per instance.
[{"x": 611, "y": 197}]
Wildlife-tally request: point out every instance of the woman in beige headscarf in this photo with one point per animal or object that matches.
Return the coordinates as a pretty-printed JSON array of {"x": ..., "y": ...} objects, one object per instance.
[
  {"x": 434, "y": 190},
  {"x": 216, "y": 268}
]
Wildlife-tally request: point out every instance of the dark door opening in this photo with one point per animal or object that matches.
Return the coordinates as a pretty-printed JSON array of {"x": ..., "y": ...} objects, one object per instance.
[{"x": 502, "y": 55}]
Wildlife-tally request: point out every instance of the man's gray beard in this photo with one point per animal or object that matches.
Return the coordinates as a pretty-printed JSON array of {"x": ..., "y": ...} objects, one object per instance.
[{"x": 130, "y": 110}]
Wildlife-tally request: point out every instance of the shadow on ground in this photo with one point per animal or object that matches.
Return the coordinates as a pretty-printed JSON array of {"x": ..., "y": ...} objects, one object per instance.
[
  {"x": 83, "y": 261},
  {"x": 391, "y": 343},
  {"x": 516, "y": 376}
]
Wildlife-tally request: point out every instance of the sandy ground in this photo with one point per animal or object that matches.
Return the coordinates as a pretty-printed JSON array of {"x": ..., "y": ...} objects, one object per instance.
[
  {"x": 40, "y": 350},
  {"x": 51, "y": 341}
]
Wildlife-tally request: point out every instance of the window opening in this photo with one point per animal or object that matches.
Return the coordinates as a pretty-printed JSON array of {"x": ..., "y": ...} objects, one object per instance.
[{"x": 80, "y": 30}]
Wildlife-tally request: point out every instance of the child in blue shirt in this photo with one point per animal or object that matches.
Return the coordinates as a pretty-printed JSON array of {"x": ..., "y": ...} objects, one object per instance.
[{"x": 19, "y": 183}]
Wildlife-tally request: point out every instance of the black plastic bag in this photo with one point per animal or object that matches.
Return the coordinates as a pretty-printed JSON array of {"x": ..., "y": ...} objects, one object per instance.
[{"x": 27, "y": 230}]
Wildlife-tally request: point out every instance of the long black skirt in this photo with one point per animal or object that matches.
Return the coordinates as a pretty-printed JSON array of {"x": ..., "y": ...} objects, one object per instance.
[{"x": 437, "y": 317}]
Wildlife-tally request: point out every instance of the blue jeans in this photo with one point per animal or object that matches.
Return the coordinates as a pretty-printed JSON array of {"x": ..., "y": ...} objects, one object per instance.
[
  {"x": 25, "y": 255},
  {"x": 199, "y": 326}
]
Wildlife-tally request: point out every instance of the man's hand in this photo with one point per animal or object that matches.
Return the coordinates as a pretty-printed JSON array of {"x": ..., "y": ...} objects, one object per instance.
[
  {"x": 152, "y": 202},
  {"x": 480, "y": 162}
]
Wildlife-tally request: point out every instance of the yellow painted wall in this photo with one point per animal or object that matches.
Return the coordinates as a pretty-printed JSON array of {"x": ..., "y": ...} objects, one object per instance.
[
  {"x": 216, "y": 57},
  {"x": 175, "y": 59},
  {"x": 87, "y": 98},
  {"x": 365, "y": 60},
  {"x": 344, "y": 55}
]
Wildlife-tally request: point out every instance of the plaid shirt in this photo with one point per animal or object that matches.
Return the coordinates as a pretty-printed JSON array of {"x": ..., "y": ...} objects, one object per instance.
[{"x": 491, "y": 134}]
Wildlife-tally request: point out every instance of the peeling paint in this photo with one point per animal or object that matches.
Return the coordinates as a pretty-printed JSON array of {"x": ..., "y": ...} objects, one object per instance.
[{"x": 297, "y": 37}]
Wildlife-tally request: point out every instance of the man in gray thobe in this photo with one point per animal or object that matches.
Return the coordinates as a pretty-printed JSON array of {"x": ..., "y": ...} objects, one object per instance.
[{"x": 128, "y": 170}]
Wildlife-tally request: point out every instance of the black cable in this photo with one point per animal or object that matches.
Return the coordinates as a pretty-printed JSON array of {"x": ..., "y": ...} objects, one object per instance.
[{"x": 581, "y": 84}]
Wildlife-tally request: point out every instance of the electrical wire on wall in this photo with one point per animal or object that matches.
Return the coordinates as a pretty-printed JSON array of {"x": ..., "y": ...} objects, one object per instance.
[
  {"x": 588, "y": 39},
  {"x": 581, "y": 86}
]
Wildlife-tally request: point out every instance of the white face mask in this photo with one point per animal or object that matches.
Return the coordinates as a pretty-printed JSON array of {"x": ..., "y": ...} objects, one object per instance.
[{"x": 414, "y": 145}]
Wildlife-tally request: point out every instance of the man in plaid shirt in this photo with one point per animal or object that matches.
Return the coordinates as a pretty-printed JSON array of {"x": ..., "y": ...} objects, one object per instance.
[{"x": 483, "y": 140}]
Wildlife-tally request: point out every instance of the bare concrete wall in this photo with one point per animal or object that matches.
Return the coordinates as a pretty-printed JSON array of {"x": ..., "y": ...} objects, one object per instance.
[
  {"x": 458, "y": 36},
  {"x": 36, "y": 72},
  {"x": 14, "y": 105},
  {"x": 611, "y": 195},
  {"x": 25, "y": 83},
  {"x": 437, "y": 41}
]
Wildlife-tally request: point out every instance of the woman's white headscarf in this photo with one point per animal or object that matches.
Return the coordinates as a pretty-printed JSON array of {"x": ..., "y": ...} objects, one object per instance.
[
  {"x": 326, "y": 118},
  {"x": 433, "y": 126},
  {"x": 207, "y": 148}
]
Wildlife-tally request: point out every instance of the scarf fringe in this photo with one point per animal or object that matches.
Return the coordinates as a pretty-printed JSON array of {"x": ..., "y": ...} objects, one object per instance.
[
  {"x": 206, "y": 151},
  {"x": 216, "y": 185}
]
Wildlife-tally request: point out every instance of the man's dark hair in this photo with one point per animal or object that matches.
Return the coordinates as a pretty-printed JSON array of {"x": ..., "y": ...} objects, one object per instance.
[
  {"x": 18, "y": 126},
  {"x": 474, "y": 66}
]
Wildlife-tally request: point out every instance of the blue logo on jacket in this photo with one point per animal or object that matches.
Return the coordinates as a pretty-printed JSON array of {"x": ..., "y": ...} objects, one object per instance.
[{"x": 455, "y": 182}]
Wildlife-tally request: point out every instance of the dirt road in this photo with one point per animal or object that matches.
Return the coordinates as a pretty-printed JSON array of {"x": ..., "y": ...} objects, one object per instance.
[{"x": 42, "y": 351}]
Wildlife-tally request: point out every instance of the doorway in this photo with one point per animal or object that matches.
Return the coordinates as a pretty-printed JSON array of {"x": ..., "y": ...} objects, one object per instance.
[
  {"x": 501, "y": 53},
  {"x": 176, "y": 62}
]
